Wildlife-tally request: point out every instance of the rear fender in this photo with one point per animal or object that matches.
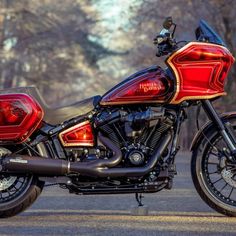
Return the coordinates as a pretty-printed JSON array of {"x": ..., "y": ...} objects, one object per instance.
[{"x": 207, "y": 128}]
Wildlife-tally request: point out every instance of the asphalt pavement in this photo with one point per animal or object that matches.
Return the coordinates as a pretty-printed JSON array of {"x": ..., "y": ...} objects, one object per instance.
[{"x": 178, "y": 211}]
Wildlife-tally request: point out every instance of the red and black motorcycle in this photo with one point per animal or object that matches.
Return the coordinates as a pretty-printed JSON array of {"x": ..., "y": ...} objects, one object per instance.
[{"x": 125, "y": 141}]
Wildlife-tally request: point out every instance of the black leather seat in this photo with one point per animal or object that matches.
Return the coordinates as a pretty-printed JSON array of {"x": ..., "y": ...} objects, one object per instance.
[{"x": 58, "y": 115}]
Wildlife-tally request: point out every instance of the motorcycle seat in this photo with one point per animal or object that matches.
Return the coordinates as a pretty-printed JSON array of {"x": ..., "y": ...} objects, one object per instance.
[{"x": 57, "y": 115}]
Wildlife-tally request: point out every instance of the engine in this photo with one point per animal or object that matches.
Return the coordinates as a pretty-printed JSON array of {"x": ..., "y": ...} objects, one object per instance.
[{"x": 135, "y": 131}]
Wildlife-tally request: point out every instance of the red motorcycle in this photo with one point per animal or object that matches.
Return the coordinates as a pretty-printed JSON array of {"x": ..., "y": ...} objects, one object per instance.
[{"x": 125, "y": 141}]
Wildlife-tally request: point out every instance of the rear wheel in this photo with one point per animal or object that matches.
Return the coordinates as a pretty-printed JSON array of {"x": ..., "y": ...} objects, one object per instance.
[
  {"x": 17, "y": 192},
  {"x": 214, "y": 176}
]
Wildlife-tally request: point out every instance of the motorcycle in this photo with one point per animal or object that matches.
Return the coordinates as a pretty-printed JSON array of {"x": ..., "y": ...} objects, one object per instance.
[{"x": 125, "y": 141}]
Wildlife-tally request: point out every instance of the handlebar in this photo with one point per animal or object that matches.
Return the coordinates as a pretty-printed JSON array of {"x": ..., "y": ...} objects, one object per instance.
[{"x": 165, "y": 45}]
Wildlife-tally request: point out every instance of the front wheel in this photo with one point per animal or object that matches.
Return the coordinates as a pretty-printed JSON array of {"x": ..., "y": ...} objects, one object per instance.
[{"x": 214, "y": 176}]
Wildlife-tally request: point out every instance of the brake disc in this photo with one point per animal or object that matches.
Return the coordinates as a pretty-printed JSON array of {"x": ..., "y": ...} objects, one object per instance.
[
  {"x": 228, "y": 177},
  {"x": 227, "y": 174}
]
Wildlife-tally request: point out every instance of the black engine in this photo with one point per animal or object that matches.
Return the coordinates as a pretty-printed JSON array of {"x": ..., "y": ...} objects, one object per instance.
[{"x": 136, "y": 132}]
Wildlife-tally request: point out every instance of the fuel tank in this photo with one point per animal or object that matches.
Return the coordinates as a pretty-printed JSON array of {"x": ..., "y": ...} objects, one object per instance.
[{"x": 151, "y": 85}]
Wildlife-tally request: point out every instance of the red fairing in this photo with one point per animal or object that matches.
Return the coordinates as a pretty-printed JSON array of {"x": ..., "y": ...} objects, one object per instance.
[
  {"x": 200, "y": 70},
  {"x": 78, "y": 135},
  {"x": 149, "y": 87},
  {"x": 20, "y": 115}
]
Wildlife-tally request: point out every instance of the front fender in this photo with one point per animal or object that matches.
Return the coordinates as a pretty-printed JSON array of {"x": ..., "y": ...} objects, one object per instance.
[{"x": 205, "y": 129}]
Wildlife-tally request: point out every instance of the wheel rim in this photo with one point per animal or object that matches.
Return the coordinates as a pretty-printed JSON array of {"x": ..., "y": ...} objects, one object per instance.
[{"x": 218, "y": 175}]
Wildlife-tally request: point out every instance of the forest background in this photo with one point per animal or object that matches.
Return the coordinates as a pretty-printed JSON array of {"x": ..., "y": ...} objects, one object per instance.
[{"x": 74, "y": 49}]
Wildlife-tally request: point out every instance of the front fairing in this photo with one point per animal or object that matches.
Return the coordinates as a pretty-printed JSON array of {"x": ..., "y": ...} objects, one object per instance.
[{"x": 200, "y": 71}]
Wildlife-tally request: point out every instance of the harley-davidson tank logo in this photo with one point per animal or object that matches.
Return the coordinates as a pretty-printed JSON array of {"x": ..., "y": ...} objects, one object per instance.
[{"x": 152, "y": 86}]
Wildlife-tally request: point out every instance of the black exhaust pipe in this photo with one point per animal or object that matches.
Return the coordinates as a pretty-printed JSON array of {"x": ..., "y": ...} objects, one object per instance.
[
  {"x": 99, "y": 168},
  {"x": 56, "y": 167},
  {"x": 87, "y": 169},
  {"x": 34, "y": 165}
]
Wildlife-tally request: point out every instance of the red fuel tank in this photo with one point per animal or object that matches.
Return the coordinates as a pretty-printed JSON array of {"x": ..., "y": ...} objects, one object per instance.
[{"x": 151, "y": 85}]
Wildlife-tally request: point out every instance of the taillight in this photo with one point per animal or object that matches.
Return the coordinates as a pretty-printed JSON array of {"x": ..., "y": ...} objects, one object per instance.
[{"x": 78, "y": 135}]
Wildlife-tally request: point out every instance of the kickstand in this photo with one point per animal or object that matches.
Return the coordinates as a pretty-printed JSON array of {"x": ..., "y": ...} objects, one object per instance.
[
  {"x": 139, "y": 198},
  {"x": 140, "y": 210}
]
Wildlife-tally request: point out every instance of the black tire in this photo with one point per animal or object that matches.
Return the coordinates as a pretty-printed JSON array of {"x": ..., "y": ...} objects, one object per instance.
[
  {"x": 209, "y": 194},
  {"x": 32, "y": 190}
]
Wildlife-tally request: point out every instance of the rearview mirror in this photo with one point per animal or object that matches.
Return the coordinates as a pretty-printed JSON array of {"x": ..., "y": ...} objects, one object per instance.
[{"x": 168, "y": 22}]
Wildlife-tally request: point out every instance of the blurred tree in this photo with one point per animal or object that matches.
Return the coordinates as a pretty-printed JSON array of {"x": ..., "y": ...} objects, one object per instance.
[{"x": 49, "y": 47}]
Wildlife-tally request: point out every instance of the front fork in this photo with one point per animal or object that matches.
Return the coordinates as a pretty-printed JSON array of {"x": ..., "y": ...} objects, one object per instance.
[{"x": 225, "y": 129}]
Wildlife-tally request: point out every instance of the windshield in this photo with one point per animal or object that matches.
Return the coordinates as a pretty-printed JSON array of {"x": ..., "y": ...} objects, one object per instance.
[{"x": 204, "y": 33}]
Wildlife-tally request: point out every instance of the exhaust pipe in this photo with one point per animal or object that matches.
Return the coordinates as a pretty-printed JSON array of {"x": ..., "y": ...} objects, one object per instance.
[
  {"x": 42, "y": 166},
  {"x": 87, "y": 169},
  {"x": 56, "y": 167}
]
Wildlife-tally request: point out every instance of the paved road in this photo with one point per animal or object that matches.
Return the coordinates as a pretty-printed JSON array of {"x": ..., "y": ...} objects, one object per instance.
[{"x": 179, "y": 211}]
